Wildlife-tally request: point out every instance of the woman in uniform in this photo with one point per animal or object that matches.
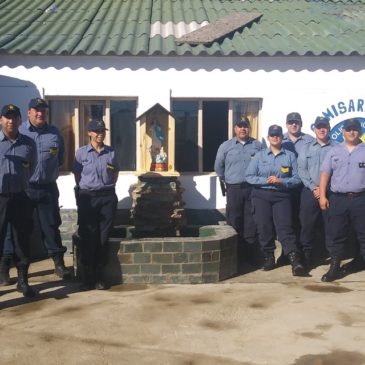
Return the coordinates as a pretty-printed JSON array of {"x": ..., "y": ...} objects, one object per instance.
[
  {"x": 274, "y": 173},
  {"x": 96, "y": 172}
]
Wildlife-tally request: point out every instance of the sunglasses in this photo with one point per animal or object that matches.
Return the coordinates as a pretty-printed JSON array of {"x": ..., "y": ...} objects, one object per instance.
[
  {"x": 293, "y": 122},
  {"x": 275, "y": 135}
]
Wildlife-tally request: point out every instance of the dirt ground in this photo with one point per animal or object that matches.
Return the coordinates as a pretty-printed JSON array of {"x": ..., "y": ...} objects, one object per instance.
[{"x": 253, "y": 319}]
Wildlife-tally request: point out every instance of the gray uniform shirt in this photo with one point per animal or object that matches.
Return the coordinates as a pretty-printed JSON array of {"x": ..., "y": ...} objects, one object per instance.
[
  {"x": 97, "y": 170},
  {"x": 283, "y": 165},
  {"x": 50, "y": 151},
  {"x": 17, "y": 163},
  {"x": 310, "y": 161},
  {"x": 347, "y": 170},
  {"x": 233, "y": 158}
]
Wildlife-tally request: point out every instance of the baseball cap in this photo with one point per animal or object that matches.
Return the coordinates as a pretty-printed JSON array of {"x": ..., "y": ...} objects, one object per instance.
[
  {"x": 96, "y": 125},
  {"x": 37, "y": 103},
  {"x": 243, "y": 122},
  {"x": 294, "y": 116},
  {"x": 10, "y": 109},
  {"x": 352, "y": 124},
  {"x": 321, "y": 122},
  {"x": 275, "y": 130}
]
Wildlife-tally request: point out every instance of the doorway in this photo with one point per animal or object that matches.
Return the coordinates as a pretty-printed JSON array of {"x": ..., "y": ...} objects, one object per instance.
[{"x": 215, "y": 130}]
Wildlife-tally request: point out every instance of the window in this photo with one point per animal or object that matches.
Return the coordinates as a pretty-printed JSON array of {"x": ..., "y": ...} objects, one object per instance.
[
  {"x": 71, "y": 116},
  {"x": 202, "y": 125}
]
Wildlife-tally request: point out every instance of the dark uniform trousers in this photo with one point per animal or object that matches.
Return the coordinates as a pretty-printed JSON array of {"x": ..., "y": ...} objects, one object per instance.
[
  {"x": 239, "y": 212},
  {"x": 345, "y": 211},
  {"x": 273, "y": 211},
  {"x": 45, "y": 201},
  {"x": 96, "y": 211},
  {"x": 16, "y": 212},
  {"x": 311, "y": 218},
  {"x": 296, "y": 194}
]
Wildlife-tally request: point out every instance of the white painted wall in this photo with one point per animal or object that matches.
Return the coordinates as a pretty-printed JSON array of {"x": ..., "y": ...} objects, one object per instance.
[{"x": 308, "y": 85}]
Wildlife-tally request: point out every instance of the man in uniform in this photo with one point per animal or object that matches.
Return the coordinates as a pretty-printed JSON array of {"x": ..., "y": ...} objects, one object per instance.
[
  {"x": 344, "y": 170},
  {"x": 43, "y": 190},
  {"x": 309, "y": 163},
  {"x": 18, "y": 159},
  {"x": 295, "y": 141},
  {"x": 233, "y": 157}
]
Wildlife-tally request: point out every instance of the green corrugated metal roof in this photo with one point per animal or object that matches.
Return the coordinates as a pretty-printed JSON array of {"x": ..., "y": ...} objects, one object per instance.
[{"x": 150, "y": 27}]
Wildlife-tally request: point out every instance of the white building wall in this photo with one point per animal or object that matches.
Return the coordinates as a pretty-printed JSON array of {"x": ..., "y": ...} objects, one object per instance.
[{"x": 309, "y": 85}]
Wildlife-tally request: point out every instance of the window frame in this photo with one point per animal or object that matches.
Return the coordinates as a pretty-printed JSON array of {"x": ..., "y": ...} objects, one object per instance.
[
  {"x": 230, "y": 124},
  {"x": 78, "y": 100}
]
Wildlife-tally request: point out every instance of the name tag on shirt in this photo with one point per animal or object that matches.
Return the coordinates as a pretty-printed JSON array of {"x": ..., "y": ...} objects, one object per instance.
[
  {"x": 25, "y": 164},
  {"x": 284, "y": 169},
  {"x": 110, "y": 166}
]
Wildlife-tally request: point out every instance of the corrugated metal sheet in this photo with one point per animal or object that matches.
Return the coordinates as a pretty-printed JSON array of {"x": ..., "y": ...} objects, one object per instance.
[{"x": 150, "y": 27}]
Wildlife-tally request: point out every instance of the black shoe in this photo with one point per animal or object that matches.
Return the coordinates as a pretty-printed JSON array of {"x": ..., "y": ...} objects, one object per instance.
[
  {"x": 297, "y": 267},
  {"x": 23, "y": 286},
  {"x": 335, "y": 272},
  {"x": 62, "y": 272},
  {"x": 269, "y": 262},
  {"x": 26, "y": 290},
  {"x": 59, "y": 267},
  {"x": 308, "y": 260},
  {"x": 355, "y": 265},
  {"x": 282, "y": 260}
]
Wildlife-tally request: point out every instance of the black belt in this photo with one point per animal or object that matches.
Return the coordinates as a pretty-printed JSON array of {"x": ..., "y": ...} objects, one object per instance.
[
  {"x": 351, "y": 195},
  {"x": 241, "y": 185},
  {"x": 102, "y": 192}
]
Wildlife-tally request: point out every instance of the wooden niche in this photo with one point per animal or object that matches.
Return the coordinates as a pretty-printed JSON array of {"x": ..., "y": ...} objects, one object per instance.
[{"x": 157, "y": 141}]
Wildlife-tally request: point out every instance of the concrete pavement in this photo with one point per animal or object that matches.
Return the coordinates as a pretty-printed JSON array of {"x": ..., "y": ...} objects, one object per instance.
[{"x": 253, "y": 319}]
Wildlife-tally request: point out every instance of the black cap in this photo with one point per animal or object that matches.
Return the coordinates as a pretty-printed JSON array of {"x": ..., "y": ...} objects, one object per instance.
[
  {"x": 10, "y": 109},
  {"x": 352, "y": 124},
  {"x": 37, "y": 103},
  {"x": 275, "y": 130},
  {"x": 294, "y": 117},
  {"x": 96, "y": 125},
  {"x": 243, "y": 122},
  {"x": 322, "y": 122}
]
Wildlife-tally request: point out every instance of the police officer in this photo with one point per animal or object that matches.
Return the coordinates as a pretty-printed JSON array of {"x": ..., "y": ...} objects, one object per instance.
[
  {"x": 295, "y": 141},
  {"x": 233, "y": 157},
  {"x": 274, "y": 173},
  {"x": 343, "y": 169},
  {"x": 43, "y": 190},
  {"x": 309, "y": 163},
  {"x": 96, "y": 173},
  {"x": 18, "y": 159}
]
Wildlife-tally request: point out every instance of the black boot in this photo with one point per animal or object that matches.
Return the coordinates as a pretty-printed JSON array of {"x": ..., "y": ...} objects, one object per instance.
[
  {"x": 23, "y": 286},
  {"x": 308, "y": 260},
  {"x": 269, "y": 261},
  {"x": 334, "y": 271},
  {"x": 355, "y": 265},
  {"x": 297, "y": 267},
  {"x": 88, "y": 278},
  {"x": 5, "y": 265},
  {"x": 59, "y": 267}
]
